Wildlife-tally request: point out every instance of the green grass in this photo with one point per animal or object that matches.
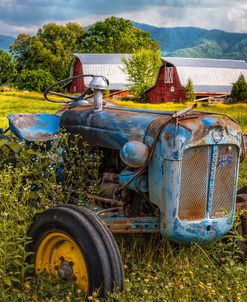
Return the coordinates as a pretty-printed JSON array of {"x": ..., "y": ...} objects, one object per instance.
[{"x": 155, "y": 269}]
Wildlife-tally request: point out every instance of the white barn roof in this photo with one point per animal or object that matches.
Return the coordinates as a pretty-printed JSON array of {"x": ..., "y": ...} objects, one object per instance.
[
  {"x": 208, "y": 75},
  {"x": 108, "y": 65}
]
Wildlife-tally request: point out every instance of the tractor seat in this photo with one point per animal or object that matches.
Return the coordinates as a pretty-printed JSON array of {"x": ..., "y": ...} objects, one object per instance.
[{"x": 34, "y": 127}]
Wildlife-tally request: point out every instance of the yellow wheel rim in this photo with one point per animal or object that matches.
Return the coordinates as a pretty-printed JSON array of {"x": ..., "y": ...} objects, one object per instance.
[{"x": 60, "y": 255}]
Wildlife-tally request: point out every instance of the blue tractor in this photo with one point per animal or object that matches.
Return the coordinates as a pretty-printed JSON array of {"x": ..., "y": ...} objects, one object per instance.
[{"x": 169, "y": 172}]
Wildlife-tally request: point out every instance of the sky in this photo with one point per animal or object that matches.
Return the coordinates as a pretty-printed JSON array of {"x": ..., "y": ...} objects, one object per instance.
[{"x": 18, "y": 16}]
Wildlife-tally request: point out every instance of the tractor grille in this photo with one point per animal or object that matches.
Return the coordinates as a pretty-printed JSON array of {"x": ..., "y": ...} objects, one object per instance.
[
  {"x": 194, "y": 183},
  {"x": 223, "y": 194},
  {"x": 207, "y": 182}
]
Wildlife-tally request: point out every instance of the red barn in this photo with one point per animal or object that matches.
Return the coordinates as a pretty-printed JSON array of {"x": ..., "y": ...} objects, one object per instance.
[
  {"x": 108, "y": 65},
  {"x": 210, "y": 77}
]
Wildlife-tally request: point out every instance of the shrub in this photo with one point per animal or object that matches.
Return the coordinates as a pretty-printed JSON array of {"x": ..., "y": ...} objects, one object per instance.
[
  {"x": 239, "y": 89},
  {"x": 189, "y": 91},
  {"x": 37, "y": 80}
]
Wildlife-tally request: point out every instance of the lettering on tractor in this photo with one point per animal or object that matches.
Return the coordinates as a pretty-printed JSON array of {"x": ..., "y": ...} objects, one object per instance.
[{"x": 169, "y": 172}]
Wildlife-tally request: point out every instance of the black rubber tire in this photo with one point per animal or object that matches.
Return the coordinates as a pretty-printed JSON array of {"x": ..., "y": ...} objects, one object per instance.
[{"x": 101, "y": 253}]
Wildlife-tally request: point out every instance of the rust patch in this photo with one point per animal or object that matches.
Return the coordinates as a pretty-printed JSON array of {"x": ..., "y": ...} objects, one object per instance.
[
  {"x": 25, "y": 121},
  {"x": 125, "y": 225},
  {"x": 39, "y": 136},
  {"x": 167, "y": 136}
]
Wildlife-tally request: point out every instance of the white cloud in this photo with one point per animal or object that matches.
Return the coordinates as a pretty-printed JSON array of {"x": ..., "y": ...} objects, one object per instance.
[{"x": 27, "y": 15}]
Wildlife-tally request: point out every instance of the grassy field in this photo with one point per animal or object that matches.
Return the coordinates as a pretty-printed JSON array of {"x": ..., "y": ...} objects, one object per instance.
[
  {"x": 15, "y": 102},
  {"x": 155, "y": 269}
]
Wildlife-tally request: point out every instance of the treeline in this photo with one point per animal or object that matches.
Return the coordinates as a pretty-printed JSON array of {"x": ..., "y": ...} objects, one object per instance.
[{"x": 34, "y": 62}]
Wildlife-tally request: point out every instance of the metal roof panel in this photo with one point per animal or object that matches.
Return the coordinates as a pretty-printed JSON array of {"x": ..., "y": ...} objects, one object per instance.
[
  {"x": 101, "y": 58},
  {"x": 213, "y": 89},
  {"x": 113, "y": 72},
  {"x": 209, "y": 76},
  {"x": 201, "y": 62}
]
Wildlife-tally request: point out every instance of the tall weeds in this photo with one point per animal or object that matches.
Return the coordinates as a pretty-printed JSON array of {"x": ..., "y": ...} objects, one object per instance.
[{"x": 29, "y": 185}]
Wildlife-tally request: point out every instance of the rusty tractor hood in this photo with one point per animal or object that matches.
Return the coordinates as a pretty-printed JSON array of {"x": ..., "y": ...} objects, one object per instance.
[{"x": 113, "y": 127}]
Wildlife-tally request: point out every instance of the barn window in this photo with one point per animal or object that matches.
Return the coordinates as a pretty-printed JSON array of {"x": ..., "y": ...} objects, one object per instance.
[
  {"x": 74, "y": 88},
  {"x": 168, "y": 74}
]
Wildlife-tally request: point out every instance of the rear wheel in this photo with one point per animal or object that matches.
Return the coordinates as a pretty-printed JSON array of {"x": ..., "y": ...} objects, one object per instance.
[{"x": 72, "y": 242}]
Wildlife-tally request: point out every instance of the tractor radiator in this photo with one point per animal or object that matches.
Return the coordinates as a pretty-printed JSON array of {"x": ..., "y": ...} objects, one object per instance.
[{"x": 208, "y": 181}]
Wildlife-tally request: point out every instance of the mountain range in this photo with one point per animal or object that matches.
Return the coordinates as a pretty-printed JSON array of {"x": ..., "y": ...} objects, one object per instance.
[
  {"x": 198, "y": 42},
  {"x": 187, "y": 42}
]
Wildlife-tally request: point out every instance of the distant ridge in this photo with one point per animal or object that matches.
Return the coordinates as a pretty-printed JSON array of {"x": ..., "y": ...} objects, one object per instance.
[
  {"x": 187, "y": 42},
  {"x": 198, "y": 42},
  {"x": 5, "y": 42}
]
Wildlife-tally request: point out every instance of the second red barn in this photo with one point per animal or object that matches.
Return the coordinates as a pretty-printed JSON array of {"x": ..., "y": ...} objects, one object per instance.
[{"x": 210, "y": 77}]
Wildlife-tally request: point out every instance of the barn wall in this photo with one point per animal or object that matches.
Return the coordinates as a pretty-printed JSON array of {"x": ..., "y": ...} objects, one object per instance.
[
  {"x": 77, "y": 85},
  {"x": 166, "y": 92}
]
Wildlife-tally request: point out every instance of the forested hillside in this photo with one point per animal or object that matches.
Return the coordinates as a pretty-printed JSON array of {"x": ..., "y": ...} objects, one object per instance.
[
  {"x": 198, "y": 42},
  {"x": 187, "y": 42}
]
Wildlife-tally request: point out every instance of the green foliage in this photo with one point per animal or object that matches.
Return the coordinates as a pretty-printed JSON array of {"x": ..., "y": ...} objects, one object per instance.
[
  {"x": 50, "y": 49},
  {"x": 189, "y": 91},
  {"x": 7, "y": 68},
  {"x": 239, "y": 89},
  {"x": 29, "y": 186},
  {"x": 114, "y": 35},
  {"x": 142, "y": 69},
  {"x": 37, "y": 80}
]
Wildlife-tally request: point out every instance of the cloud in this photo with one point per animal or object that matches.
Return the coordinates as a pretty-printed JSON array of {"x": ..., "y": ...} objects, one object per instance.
[{"x": 27, "y": 15}]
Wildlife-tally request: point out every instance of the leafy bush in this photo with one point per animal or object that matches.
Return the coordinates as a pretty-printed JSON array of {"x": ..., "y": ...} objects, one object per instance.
[{"x": 37, "y": 80}]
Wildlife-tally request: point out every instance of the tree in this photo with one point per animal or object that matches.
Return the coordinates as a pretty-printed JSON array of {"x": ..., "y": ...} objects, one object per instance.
[
  {"x": 37, "y": 80},
  {"x": 7, "y": 68},
  {"x": 114, "y": 35},
  {"x": 189, "y": 91},
  {"x": 239, "y": 89},
  {"x": 50, "y": 49},
  {"x": 142, "y": 69},
  {"x": 20, "y": 50}
]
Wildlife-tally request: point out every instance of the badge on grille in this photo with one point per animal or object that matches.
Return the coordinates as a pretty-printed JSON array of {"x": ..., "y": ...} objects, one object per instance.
[{"x": 225, "y": 161}]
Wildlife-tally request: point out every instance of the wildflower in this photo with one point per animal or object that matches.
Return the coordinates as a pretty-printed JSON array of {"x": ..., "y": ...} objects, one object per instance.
[
  {"x": 27, "y": 285},
  {"x": 201, "y": 285}
]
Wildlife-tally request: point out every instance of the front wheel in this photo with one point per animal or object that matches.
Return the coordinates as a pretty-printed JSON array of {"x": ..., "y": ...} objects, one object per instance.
[{"x": 72, "y": 242}]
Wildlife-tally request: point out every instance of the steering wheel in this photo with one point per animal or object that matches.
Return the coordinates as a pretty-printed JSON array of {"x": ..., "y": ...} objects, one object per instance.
[{"x": 69, "y": 97}]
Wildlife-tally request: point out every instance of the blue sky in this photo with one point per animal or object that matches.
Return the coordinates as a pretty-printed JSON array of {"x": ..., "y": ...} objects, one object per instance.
[{"x": 18, "y": 16}]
